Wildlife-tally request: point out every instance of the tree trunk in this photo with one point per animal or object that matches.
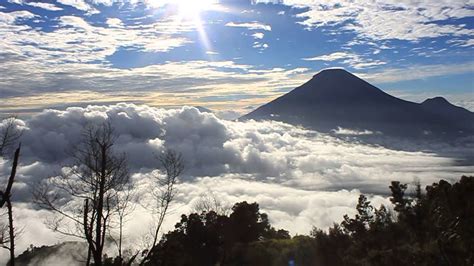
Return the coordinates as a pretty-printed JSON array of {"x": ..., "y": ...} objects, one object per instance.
[
  {"x": 6, "y": 198},
  {"x": 100, "y": 208},
  {"x": 120, "y": 238},
  {"x": 88, "y": 262},
  {"x": 11, "y": 232},
  {"x": 88, "y": 232}
]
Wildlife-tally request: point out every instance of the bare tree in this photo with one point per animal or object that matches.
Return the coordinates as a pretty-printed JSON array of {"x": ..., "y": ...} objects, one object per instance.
[
  {"x": 4, "y": 231},
  {"x": 172, "y": 166},
  {"x": 125, "y": 205},
  {"x": 5, "y": 239},
  {"x": 95, "y": 179},
  {"x": 9, "y": 134},
  {"x": 210, "y": 202},
  {"x": 5, "y": 197}
]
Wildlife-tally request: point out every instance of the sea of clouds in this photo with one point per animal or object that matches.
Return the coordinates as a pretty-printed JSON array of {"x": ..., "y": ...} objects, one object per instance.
[{"x": 301, "y": 178}]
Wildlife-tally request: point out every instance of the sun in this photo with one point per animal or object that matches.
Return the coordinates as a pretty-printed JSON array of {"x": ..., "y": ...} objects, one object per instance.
[
  {"x": 191, "y": 9},
  {"x": 189, "y": 13}
]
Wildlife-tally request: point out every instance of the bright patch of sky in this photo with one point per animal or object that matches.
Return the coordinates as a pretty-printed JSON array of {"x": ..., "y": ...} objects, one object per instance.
[{"x": 228, "y": 54}]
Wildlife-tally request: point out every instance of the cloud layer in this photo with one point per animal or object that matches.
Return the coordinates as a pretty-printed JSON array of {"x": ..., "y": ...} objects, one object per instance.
[
  {"x": 388, "y": 19},
  {"x": 301, "y": 178}
]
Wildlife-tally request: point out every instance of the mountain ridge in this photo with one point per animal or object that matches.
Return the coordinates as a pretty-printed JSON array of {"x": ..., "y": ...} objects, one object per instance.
[{"x": 335, "y": 98}]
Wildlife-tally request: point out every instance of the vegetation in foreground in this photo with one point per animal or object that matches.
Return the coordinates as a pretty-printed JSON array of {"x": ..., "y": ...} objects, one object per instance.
[{"x": 424, "y": 228}]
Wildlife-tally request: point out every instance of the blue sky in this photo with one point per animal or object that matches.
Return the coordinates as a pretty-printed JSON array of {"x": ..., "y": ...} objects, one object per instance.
[{"x": 228, "y": 55}]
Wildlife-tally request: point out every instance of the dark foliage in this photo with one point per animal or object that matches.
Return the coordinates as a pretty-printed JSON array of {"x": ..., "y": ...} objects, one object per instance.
[
  {"x": 426, "y": 229},
  {"x": 435, "y": 228},
  {"x": 209, "y": 238},
  {"x": 431, "y": 228}
]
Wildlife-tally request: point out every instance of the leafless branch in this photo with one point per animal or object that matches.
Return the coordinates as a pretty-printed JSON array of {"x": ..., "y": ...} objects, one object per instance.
[
  {"x": 6, "y": 198},
  {"x": 95, "y": 178},
  {"x": 9, "y": 134},
  {"x": 172, "y": 165},
  {"x": 210, "y": 202}
]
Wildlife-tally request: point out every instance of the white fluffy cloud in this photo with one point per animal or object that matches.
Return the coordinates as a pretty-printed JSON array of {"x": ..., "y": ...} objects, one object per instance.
[
  {"x": 114, "y": 22},
  {"x": 354, "y": 60},
  {"x": 269, "y": 151},
  {"x": 47, "y": 6},
  {"x": 79, "y": 4},
  {"x": 73, "y": 57},
  {"x": 250, "y": 25},
  {"x": 258, "y": 35},
  {"x": 300, "y": 178},
  {"x": 8, "y": 18},
  {"x": 387, "y": 19},
  {"x": 415, "y": 72},
  {"x": 177, "y": 83},
  {"x": 40, "y": 65},
  {"x": 77, "y": 41}
]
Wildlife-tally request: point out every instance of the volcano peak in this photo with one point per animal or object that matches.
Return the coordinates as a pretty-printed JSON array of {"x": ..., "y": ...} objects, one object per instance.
[{"x": 337, "y": 98}]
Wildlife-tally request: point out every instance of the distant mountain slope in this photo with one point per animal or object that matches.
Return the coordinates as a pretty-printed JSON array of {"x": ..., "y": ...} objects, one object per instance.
[
  {"x": 336, "y": 98},
  {"x": 66, "y": 253}
]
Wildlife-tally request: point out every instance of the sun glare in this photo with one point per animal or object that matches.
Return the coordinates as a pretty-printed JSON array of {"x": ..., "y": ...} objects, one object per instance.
[{"x": 192, "y": 8}]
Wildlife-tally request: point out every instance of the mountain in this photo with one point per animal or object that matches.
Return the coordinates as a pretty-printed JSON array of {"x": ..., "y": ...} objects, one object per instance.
[
  {"x": 203, "y": 109},
  {"x": 335, "y": 98},
  {"x": 66, "y": 253}
]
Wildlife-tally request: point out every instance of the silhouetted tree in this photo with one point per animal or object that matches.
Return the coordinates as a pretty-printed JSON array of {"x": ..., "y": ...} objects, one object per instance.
[
  {"x": 246, "y": 223},
  {"x": 382, "y": 218},
  {"x": 374, "y": 236},
  {"x": 5, "y": 198},
  {"x": 431, "y": 229},
  {"x": 451, "y": 218},
  {"x": 172, "y": 166},
  {"x": 363, "y": 218},
  {"x": 209, "y": 238},
  {"x": 124, "y": 206},
  {"x": 208, "y": 201},
  {"x": 9, "y": 134},
  {"x": 97, "y": 176},
  {"x": 401, "y": 203}
]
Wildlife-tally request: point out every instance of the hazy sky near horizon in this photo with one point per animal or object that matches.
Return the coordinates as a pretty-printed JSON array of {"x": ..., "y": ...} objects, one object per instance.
[{"x": 227, "y": 54}]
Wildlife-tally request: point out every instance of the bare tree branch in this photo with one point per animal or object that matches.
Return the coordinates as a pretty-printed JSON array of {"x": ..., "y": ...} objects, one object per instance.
[
  {"x": 172, "y": 165},
  {"x": 9, "y": 134},
  {"x": 125, "y": 205},
  {"x": 96, "y": 177},
  {"x": 210, "y": 202},
  {"x": 6, "y": 194},
  {"x": 6, "y": 198}
]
